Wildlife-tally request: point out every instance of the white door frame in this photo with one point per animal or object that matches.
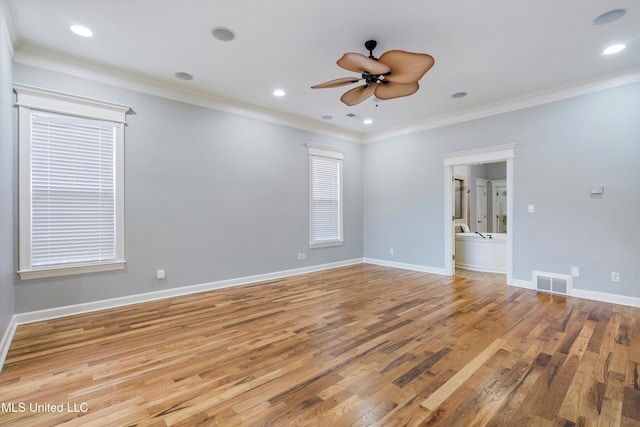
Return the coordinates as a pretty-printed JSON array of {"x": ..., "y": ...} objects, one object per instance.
[{"x": 481, "y": 155}]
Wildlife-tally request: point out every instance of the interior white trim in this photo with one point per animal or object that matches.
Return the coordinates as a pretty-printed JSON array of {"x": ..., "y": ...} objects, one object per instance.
[
  {"x": 5, "y": 31},
  {"x": 53, "y": 313},
  {"x": 505, "y": 152},
  {"x": 494, "y": 153},
  {"x": 605, "y": 297},
  {"x": 60, "y": 102},
  {"x": 7, "y": 337},
  {"x": 41, "y": 57},
  {"x": 584, "y": 294},
  {"x": 505, "y": 106},
  {"x": 30, "y": 99},
  {"x": 325, "y": 151},
  {"x": 405, "y": 266},
  {"x": 71, "y": 270},
  {"x": 526, "y": 284}
]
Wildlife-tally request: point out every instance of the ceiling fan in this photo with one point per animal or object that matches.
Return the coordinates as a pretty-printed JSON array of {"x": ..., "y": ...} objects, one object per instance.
[{"x": 394, "y": 74}]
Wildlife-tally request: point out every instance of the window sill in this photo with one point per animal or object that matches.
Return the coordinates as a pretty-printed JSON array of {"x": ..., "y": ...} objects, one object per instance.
[
  {"x": 70, "y": 270},
  {"x": 326, "y": 244}
]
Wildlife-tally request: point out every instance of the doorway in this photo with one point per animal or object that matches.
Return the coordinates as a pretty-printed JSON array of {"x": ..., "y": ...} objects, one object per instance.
[{"x": 472, "y": 157}]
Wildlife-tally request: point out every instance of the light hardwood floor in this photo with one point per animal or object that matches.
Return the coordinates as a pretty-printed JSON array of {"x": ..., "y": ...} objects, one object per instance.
[
  {"x": 359, "y": 345},
  {"x": 497, "y": 278}
]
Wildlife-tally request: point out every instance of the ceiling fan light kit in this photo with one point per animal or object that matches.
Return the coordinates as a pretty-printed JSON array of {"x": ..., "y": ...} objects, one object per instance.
[{"x": 395, "y": 74}]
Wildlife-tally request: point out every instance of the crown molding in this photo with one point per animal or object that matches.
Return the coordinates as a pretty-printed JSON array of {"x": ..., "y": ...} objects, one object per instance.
[
  {"x": 6, "y": 25},
  {"x": 41, "y": 57},
  {"x": 513, "y": 104}
]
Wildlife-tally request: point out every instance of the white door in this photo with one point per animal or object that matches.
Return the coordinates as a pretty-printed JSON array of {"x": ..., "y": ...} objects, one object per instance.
[{"x": 481, "y": 205}]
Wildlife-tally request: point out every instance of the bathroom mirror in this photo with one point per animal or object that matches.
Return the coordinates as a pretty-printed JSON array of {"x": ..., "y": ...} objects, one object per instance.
[
  {"x": 488, "y": 197},
  {"x": 459, "y": 198}
]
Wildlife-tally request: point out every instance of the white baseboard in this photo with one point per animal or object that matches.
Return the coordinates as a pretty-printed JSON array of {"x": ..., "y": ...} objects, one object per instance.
[
  {"x": 53, "y": 313},
  {"x": 7, "y": 337},
  {"x": 527, "y": 284},
  {"x": 404, "y": 266},
  {"x": 482, "y": 269},
  {"x": 605, "y": 297},
  {"x": 585, "y": 294}
]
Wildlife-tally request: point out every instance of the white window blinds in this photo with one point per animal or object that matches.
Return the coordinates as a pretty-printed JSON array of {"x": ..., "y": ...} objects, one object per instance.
[
  {"x": 71, "y": 183},
  {"x": 73, "y": 209},
  {"x": 325, "y": 196}
]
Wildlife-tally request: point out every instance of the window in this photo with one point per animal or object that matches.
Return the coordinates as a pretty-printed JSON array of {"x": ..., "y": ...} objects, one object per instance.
[
  {"x": 71, "y": 184},
  {"x": 325, "y": 195}
]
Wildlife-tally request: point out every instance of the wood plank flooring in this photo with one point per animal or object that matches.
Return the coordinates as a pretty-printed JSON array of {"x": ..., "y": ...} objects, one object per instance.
[{"x": 354, "y": 346}]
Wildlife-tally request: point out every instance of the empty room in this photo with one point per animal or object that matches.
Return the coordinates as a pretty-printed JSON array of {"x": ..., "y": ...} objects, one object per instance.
[{"x": 319, "y": 212}]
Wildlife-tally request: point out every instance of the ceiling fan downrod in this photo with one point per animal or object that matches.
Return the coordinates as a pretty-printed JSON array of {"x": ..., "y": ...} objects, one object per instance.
[
  {"x": 369, "y": 78},
  {"x": 370, "y": 45}
]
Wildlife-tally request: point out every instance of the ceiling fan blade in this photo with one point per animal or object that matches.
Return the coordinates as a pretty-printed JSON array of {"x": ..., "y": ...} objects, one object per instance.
[
  {"x": 406, "y": 67},
  {"x": 358, "y": 94},
  {"x": 395, "y": 90},
  {"x": 337, "y": 82},
  {"x": 359, "y": 63}
]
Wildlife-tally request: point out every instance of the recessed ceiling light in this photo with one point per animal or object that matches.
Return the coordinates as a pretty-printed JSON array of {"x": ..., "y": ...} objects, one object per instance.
[
  {"x": 81, "y": 31},
  {"x": 279, "y": 92},
  {"x": 183, "y": 76},
  {"x": 327, "y": 117},
  {"x": 613, "y": 49},
  {"x": 459, "y": 95},
  {"x": 223, "y": 34},
  {"x": 608, "y": 17},
  {"x": 367, "y": 121}
]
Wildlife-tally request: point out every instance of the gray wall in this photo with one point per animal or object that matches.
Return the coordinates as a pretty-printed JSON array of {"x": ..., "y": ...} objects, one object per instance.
[
  {"x": 7, "y": 177},
  {"x": 212, "y": 195},
  {"x": 563, "y": 148},
  {"x": 209, "y": 196}
]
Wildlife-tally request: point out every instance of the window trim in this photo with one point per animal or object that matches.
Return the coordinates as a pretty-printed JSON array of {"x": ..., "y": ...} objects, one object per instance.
[
  {"x": 28, "y": 100},
  {"x": 314, "y": 150}
]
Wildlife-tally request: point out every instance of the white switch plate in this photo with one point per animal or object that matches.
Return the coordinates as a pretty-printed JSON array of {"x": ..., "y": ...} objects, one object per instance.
[{"x": 531, "y": 208}]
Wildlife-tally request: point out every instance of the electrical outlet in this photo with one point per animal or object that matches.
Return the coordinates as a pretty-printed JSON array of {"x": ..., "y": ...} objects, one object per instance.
[
  {"x": 301, "y": 256},
  {"x": 161, "y": 274},
  {"x": 390, "y": 251},
  {"x": 575, "y": 271},
  {"x": 615, "y": 276}
]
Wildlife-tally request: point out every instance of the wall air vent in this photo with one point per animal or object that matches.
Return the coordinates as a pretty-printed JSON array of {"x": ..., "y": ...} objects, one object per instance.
[{"x": 552, "y": 282}]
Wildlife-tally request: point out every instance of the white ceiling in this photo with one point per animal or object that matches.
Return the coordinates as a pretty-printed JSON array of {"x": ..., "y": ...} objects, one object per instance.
[{"x": 495, "y": 50}]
